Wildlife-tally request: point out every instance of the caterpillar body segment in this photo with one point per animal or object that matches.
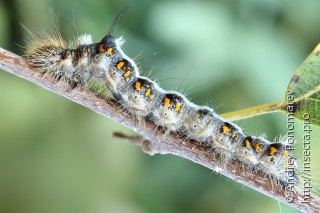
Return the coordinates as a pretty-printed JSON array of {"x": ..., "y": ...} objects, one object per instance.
[
  {"x": 227, "y": 135},
  {"x": 171, "y": 111},
  {"x": 201, "y": 124},
  {"x": 273, "y": 154},
  {"x": 141, "y": 96}
]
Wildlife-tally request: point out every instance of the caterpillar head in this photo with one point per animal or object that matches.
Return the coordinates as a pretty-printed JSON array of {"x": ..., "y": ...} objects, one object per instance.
[{"x": 44, "y": 56}]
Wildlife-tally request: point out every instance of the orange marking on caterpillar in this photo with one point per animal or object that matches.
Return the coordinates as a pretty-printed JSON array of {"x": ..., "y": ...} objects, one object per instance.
[
  {"x": 233, "y": 135},
  {"x": 109, "y": 51},
  {"x": 177, "y": 107},
  {"x": 225, "y": 129},
  {"x": 272, "y": 150},
  {"x": 137, "y": 85},
  {"x": 147, "y": 93},
  {"x": 101, "y": 48},
  {"x": 285, "y": 154},
  {"x": 166, "y": 102},
  {"x": 247, "y": 143},
  {"x": 126, "y": 74},
  {"x": 120, "y": 65},
  {"x": 257, "y": 147}
]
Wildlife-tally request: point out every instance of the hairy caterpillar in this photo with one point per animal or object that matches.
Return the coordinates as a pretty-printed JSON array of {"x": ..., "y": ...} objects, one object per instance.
[{"x": 82, "y": 60}]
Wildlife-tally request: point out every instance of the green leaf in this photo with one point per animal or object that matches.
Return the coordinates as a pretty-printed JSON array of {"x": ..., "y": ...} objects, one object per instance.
[{"x": 303, "y": 92}]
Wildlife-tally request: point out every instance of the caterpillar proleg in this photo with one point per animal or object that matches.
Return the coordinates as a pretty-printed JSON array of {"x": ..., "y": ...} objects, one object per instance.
[{"x": 106, "y": 61}]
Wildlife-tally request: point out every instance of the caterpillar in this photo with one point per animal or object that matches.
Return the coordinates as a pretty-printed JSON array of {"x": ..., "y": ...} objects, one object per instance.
[{"x": 82, "y": 60}]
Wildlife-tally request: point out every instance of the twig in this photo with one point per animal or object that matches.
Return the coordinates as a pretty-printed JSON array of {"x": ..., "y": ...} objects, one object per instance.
[{"x": 152, "y": 143}]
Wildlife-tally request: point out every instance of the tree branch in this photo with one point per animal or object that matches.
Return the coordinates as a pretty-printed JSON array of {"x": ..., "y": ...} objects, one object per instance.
[{"x": 150, "y": 141}]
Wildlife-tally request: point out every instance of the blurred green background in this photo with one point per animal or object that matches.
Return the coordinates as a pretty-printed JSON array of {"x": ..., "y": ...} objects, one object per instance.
[{"x": 57, "y": 156}]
